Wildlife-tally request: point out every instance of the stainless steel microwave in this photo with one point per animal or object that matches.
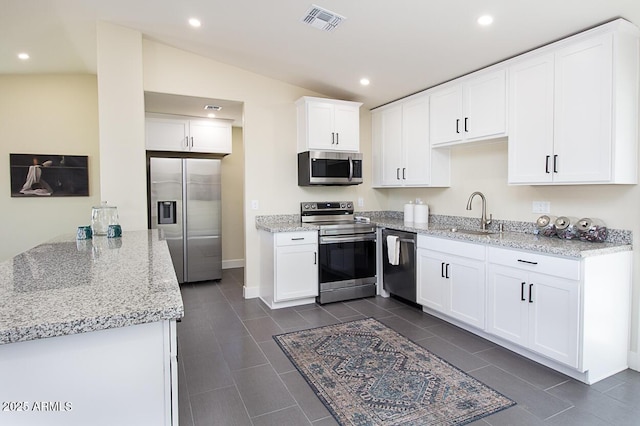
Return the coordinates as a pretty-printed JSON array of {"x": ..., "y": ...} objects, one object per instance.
[{"x": 329, "y": 168}]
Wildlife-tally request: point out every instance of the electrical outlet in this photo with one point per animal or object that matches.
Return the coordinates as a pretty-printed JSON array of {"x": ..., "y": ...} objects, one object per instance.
[
  {"x": 541, "y": 207},
  {"x": 360, "y": 202},
  {"x": 255, "y": 205}
]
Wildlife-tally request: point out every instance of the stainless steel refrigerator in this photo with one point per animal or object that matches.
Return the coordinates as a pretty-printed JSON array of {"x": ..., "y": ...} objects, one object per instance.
[{"x": 184, "y": 205}]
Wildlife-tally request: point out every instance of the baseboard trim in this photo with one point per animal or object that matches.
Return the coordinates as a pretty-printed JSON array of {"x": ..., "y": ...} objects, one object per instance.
[
  {"x": 233, "y": 263},
  {"x": 250, "y": 292},
  {"x": 633, "y": 360}
]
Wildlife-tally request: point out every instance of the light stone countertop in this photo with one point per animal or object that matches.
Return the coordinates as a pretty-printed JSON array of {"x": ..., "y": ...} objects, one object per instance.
[
  {"x": 66, "y": 286},
  {"x": 517, "y": 235}
]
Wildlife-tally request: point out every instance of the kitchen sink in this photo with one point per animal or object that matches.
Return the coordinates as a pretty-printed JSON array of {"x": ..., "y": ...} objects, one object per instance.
[{"x": 471, "y": 231}]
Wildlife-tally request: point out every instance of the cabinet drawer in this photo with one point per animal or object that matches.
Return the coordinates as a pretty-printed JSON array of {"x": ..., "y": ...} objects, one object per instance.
[
  {"x": 294, "y": 238},
  {"x": 535, "y": 262},
  {"x": 458, "y": 248}
]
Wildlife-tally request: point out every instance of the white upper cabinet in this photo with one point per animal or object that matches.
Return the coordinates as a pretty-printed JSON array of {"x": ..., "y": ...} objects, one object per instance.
[
  {"x": 166, "y": 133},
  {"x": 328, "y": 125},
  {"x": 402, "y": 154},
  {"x": 469, "y": 110},
  {"x": 574, "y": 110}
]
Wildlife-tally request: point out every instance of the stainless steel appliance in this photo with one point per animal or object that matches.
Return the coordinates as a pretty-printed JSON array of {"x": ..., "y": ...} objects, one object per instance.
[
  {"x": 184, "y": 204},
  {"x": 329, "y": 168},
  {"x": 400, "y": 279},
  {"x": 346, "y": 251}
]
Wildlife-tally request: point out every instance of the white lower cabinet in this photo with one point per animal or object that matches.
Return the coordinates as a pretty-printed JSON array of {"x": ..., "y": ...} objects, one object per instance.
[
  {"x": 570, "y": 314},
  {"x": 534, "y": 310},
  {"x": 450, "y": 276},
  {"x": 289, "y": 268}
]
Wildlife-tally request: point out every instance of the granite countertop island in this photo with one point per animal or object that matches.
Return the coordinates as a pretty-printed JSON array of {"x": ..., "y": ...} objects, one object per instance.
[
  {"x": 517, "y": 235},
  {"x": 88, "y": 331},
  {"x": 65, "y": 286}
]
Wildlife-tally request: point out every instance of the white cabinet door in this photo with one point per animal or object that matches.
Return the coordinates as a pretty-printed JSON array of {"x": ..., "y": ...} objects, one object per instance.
[
  {"x": 466, "y": 282},
  {"x": 416, "y": 150},
  {"x": 452, "y": 285},
  {"x": 166, "y": 134},
  {"x": 507, "y": 308},
  {"x": 210, "y": 136},
  {"x": 347, "y": 127},
  {"x": 485, "y": 106},
  {"x": 391, "y": 145},
  {"x": 554, "y": 317},
  {"x": 583, "y": 111},
  {"x": 296, "y": 272},
  {"x": 321, "y": 134},
  {"x": 531, "y": 120},
  {"x": 432, "y": 290},
  {"x": 445, "y": 115}
]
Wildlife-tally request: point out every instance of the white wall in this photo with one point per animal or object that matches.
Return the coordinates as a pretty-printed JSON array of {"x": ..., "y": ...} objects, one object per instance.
[
  {"x": 121, "y": 111},
  {"x": 484, "y": 168},
  {"x": 270, "y": 160},
  {"x": 46, "y": 114}
]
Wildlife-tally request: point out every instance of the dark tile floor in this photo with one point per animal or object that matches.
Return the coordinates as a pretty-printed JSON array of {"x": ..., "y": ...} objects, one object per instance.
[{"x": 233, "y": 373}]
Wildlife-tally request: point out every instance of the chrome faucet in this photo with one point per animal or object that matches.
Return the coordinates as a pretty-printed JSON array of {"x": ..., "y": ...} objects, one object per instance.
[{"x": 483, "y": 219}]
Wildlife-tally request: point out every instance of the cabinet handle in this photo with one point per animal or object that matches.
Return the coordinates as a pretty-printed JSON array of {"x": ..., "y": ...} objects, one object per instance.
[
  {"x": 457, "y": 125},
  {"x": 398, "y": 173},
  {"x": 191, "y": 141},
  {"x": 555, "y": 163},
  {"x": 546, "y": 164},
  {"x": 530, "y": 296},
  {"x": 404, "y": 173},
  {"x": 333, "y": 138},
  {"x": 315, "y": 258},
  {"x": 446, "y": 271},
  {"x": 466, "y": 119},
  {"x": 522, "y": 284},
  {"x": 442, "y": 269},
  {"x": 527, "y": 261},
  {"x": 297, "y": 239},
  {"x": 337, "y": 138}
]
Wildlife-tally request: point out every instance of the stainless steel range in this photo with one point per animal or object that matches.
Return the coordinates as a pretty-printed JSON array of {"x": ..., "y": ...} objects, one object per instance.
[{"x": 347, "y": 251}]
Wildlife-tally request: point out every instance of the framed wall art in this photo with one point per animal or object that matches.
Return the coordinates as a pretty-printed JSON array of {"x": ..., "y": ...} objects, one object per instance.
[{"x": 49, "y": 175}]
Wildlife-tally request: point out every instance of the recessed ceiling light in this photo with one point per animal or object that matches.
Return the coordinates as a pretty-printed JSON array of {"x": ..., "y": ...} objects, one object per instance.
[
  {"x": 364, "y": 81},
  {"x": 23, "y": 56},
  {"x": 485, "y": 20},
  {"x": 194, "y": 22}
]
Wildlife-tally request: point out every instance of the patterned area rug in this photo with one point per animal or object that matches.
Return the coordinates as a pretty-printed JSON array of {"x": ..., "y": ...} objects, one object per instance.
[{"x": 367, "y": 374}]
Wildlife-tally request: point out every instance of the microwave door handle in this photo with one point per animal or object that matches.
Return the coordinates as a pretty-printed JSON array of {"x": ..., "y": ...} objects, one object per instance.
[{"x": 350, "y": 169}]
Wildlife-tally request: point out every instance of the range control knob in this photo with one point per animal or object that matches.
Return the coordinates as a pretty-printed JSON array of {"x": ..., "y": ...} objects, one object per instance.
[
  {"x": 342, "y": 205},
  {"x": 349, "y": 205},
  {"x": 313, "y": 206},
  {"x": 306, "y": 207}
]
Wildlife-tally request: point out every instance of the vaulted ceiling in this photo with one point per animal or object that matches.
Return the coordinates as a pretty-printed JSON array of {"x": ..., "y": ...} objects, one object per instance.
[{"x": 401, "y": 46}]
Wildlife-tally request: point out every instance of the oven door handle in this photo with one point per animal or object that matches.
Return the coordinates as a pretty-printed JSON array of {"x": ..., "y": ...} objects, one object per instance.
[
  {"x": 350, "y": 169},
  {"x": 347, "y": 239}
]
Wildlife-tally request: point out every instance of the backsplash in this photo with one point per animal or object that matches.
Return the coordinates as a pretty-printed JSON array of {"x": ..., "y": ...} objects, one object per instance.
[{"x": 617, "y": 236}]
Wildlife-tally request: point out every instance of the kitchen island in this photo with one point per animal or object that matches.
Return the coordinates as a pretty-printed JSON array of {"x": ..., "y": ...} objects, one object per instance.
[{"x": 87, "y": 333}]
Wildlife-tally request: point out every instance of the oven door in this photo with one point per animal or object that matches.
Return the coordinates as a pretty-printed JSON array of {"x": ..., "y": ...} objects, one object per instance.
[{"x": 346, "y": 260}]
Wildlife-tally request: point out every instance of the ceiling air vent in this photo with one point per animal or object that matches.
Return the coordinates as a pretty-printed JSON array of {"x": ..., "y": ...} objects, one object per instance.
[
  {"x": 322, "y": 19},
  {"x": 212, "y": 107}
]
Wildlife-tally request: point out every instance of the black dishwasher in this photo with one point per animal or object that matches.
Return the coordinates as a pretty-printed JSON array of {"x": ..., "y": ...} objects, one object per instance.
[{"x": 399, "y": 271}]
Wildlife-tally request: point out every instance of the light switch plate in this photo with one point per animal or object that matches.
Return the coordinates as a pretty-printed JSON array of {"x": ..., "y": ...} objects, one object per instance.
[
  {"x": 360, "y": 202},
  {"x": 255, "y": 205},
  {"x": 541, "y": 207}
]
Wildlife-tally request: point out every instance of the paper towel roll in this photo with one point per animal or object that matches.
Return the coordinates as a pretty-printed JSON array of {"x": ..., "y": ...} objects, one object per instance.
[
  {"x": 421, "y": 213},
  {"x": 408, "y": 212}
]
